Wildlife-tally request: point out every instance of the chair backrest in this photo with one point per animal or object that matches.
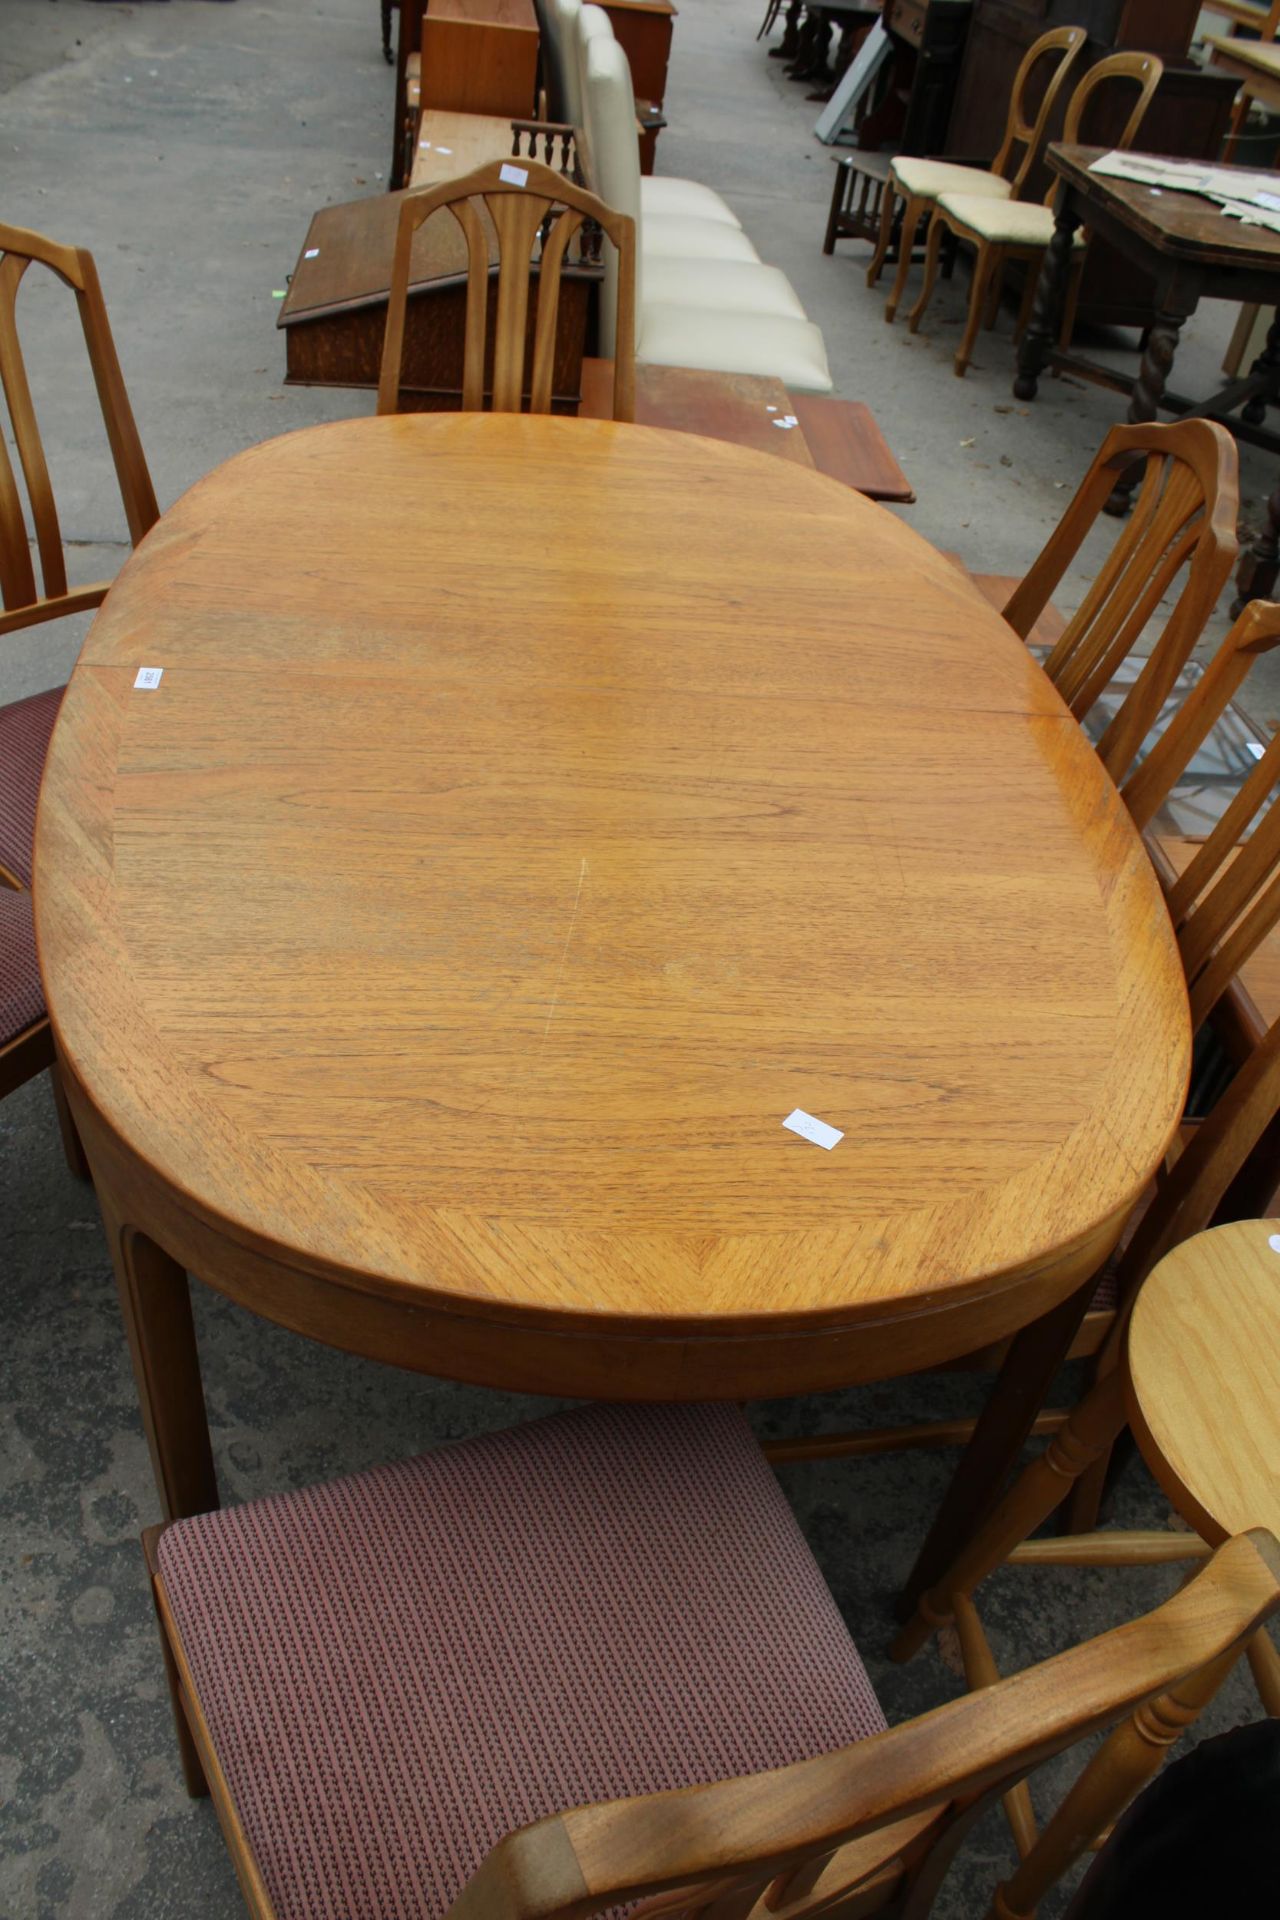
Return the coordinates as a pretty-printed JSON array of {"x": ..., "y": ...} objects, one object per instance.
[
  {"x": 1141, "y": 70},
  {"x": 593, "y": 23},
  {"x": 1183, "y": 516},
  {"x": 563, "y": 20},
  {"x": 1052, "y": 56},
  {"x": 24, "y": 603},
  {"x": 534, "y": 215},
  {"x": 613, "y": 149},
  {"x": 885, "y": 1814}
]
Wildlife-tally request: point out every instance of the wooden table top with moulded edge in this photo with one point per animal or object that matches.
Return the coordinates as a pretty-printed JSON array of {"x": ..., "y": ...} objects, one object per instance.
[
  {"x": 532, "y": 813},
  {"x": 1202, "y": 1380}
]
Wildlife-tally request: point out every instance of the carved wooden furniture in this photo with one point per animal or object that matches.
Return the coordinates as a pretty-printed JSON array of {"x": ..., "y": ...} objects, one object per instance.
[
  {"x": 838, "y": 437},
  {"x": 25, "y": 725},
  {"x": 918, "y": 182},
  {"x": 532, "y": 217},
  {"x": 406, "y": 1690},
  {"x": 914, "y": 113},
  {"x": 1255, "y": 63},
  {"x": 1188, "y": 117},
  {"x": 1001, "y": 231},
  {"x": 334, "y": 316},
  {"x": 1191, "y": 252},
  {"x": 1197, "y": 1380},
  {"x": 480, "y": 949},
  {"x": 480, "y": 56}
]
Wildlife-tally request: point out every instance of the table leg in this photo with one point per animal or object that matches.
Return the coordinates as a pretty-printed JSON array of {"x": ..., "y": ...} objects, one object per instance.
[
  {"x": 1021, "y": 1387},
  {"x": 1144, "y": 403},
  {"x": 1261, "y": 563},
  {"x": 787, "y": 48},
  {"x": 156, "y": 1304},
  {"x": 1051, "y": 298}
]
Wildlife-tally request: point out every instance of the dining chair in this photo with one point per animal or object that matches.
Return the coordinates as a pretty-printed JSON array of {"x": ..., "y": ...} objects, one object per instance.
[
  {"x": 1196, "y": 1381},
  {"x": 590, "y": 1661},
  {"x": 1000, "y": 230},
  {"x": 1044, "y": 71},
  {"x": 26, "y": 725},
  {"x": 1266, "y": 26},
  {"x": 537, "y": 223}
]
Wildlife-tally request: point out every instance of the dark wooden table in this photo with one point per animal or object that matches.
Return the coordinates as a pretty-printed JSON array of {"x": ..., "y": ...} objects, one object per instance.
[{"x": 1192, "y": 252}]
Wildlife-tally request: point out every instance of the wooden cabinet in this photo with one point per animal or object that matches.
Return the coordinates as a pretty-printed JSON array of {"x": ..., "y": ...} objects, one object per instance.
[{"x": 480, "y": 56}]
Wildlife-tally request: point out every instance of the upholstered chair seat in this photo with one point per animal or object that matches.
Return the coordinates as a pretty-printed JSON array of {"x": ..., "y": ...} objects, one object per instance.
[
  {"x": 771, "y": 345},
  {"x": 685, "y": 236},
  {"x": 399, "y": 1668},
  {"x": 926, "y": 179},
  {"x": 741, "y": 286},
  {"x": 1005, "y": 223},
  {"x": 25, "y": 728},
  {"x": 21, "y": 996}
]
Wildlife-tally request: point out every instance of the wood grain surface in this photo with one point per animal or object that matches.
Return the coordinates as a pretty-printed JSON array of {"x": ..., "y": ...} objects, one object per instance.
[
  {"x": 532, "y": 813},
  {"x": 1203, "y": 1377}
]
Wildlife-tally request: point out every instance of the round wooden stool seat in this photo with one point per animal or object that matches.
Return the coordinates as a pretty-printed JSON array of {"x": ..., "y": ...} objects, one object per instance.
[{"x": 1203, "y": 1387}]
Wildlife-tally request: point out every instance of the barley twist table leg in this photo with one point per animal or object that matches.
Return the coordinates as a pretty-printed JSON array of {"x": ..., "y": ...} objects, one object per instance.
[
  {"x": 1153, "y": 377},
  {"x": 1051, "y": 296}
]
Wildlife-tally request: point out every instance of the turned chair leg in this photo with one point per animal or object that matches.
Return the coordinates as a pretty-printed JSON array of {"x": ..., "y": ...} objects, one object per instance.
[
  {"x": 1038, "y": 1491},
  {"x": 933, "y": 253},
  {"x": 888, "y": 201}
]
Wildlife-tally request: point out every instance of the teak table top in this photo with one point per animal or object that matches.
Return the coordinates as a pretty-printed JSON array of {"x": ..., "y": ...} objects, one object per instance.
[{"x": 531, "y": 814}]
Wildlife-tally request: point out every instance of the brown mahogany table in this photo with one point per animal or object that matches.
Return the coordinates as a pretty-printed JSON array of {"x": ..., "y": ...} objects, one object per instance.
[{"x": 531, "y": 814}]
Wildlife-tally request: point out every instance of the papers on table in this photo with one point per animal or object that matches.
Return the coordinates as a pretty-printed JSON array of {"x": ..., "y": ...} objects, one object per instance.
[{"x": 1253, "y": 198}]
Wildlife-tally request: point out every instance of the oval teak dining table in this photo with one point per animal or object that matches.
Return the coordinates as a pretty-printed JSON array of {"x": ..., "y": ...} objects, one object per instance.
[{"x": 531, "y": 814}]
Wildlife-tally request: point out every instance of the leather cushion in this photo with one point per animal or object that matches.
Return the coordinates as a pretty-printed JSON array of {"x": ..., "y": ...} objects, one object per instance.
[
  {"x": 731, "y": 286},
  {"x": 662, "y": 193},
  {"x": 787, "y": 349},
  {"x": 399, "y": 1668}
]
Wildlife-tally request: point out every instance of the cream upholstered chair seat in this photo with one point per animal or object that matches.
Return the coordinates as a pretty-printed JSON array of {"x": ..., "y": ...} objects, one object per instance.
[
  {"x": 744, "y": 286},
  {"x": 926, "y": 179},
  {"x": 772, "y": 345},
  {"x": 1005, "y": 223},
  {"x": 662, "y": 194},
  {"x": 679, "y": 236}
]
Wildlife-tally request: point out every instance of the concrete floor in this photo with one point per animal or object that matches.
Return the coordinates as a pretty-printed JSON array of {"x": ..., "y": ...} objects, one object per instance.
[{"x": 187, "y": 143}]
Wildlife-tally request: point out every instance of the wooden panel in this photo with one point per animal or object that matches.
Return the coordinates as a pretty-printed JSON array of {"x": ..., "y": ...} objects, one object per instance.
[
  {"x": 480, "y": 56},
  {"x": 846, "y": 442},
  {"x": 642, "y": 29}
]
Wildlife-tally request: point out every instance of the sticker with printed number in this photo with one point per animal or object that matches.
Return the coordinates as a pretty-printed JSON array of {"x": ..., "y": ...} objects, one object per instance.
[
  {"x": 148, "y": 677},
  {"x": 514, "y": 176}
]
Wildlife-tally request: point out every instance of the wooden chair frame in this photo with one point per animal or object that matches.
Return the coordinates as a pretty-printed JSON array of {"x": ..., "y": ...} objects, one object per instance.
[
  {"x": 869, "y": 1828},
  {"x": 1184, "y": 517},
  {"x": 991, "y": 257},
  {"x": 1022, "y": 134},
  {"x": 1267, "y": 28},
  {"x": 520, "y": 215},
  {"x": 24, "y": 606}
]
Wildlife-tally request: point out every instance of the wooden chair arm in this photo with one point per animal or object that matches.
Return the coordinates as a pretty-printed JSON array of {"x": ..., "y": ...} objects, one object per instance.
[{"x": 579, "y": 1862}]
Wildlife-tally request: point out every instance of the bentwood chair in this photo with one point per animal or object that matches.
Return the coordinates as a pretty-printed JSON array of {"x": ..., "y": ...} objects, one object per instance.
[
  {"x": 590, "y": 1661},
  {"x": 1046, "y": 65},
  {"x": 536, "y": 223},
  {"x": 1004, "y": 230},
  {"x": 1197, "y": 1381},
  {"x": 25, "y": 725}
]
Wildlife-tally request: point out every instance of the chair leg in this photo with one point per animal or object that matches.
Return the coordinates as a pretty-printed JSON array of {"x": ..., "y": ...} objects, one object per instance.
[
  {"x": 937, "y": 230},
  {"x": 888, "y": 201},
  {"x": 71, "y": 1145},
  {"x": 838, "y": 188},
  {"x": 1041, "y": 1488},
  {"x": 995, "y": 287},
  {"x": 986, "y": 269},
  {"x": 1265, "y": 1664},
  {"x": 912, "y": 214},
  {"x": 1122, "y": 1766}
]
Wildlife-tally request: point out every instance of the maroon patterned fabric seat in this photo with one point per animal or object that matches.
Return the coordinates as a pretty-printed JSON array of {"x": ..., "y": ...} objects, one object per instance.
[
  {"x": 21, "y": 997},
  {"x": 401, "y": 1667},
  {"x": 25, "y": 727}
]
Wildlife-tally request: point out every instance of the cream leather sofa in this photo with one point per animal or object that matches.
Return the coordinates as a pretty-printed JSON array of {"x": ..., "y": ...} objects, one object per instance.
[{"x": 699, "y": 301}]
